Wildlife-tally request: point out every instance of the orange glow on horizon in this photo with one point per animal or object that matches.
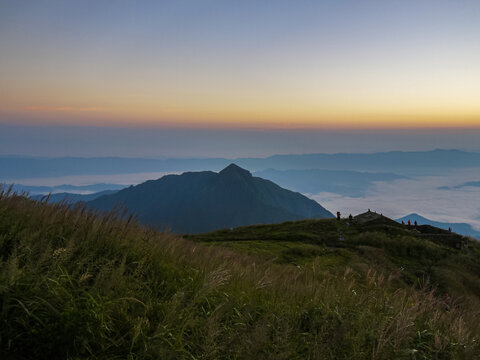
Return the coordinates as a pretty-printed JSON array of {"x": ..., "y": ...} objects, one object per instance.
[{"x": 132, "y": 117}]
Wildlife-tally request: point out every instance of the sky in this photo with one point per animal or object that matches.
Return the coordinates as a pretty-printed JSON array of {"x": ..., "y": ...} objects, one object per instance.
[{"x": 270, "y": 65}]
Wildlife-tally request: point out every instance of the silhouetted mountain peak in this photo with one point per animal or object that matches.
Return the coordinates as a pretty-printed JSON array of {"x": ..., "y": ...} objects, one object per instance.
[
  {"x": 235, "y": 170},
  {"x": 205, "y": 201}
]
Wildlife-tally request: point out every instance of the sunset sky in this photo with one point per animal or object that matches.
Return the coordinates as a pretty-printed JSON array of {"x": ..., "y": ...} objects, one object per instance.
[{"x": 241, "y": 64}]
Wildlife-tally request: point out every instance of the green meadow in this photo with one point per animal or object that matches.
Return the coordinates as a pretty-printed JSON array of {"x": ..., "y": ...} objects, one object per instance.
[{"x": 79, "y": 285}]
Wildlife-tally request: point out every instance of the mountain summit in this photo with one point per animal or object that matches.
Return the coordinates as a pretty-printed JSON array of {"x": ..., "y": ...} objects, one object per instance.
[
  {"x": 235, "y": 170},
  {"x": 204, "y": 201}
]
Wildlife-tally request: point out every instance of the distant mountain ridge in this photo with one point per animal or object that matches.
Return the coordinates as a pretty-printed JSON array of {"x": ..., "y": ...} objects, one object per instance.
[
  {"x": 72, "y": 198},
  {"x": 16, "y": 167},
  {"x": 65, "y": 188},
  {"x": 313, "y": 181},
  {"x": 460, "y": 228},
  {"x": 204, "y": 201},
  {"x": 461, "y": 186}
]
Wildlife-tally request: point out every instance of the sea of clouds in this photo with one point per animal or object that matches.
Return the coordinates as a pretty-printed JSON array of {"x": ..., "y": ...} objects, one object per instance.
[{"x": 421, "y": 195}]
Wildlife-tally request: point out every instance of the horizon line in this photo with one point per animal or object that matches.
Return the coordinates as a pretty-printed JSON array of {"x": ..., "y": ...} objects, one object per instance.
[{"x": 235, "y": 158}]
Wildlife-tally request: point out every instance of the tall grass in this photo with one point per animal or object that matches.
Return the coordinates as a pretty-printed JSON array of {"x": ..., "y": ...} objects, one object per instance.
[{"x": 75, "y": 285}]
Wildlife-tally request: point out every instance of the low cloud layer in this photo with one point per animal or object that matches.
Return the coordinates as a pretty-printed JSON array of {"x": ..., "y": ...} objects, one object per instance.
[{"x": 419, "y": 195}]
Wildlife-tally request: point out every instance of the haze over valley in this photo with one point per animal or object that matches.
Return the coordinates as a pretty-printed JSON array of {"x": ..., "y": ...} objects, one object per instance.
[{"x": 441, "y": 185}]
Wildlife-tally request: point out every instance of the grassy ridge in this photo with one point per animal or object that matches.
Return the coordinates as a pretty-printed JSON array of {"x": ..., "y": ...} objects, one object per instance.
[
  {"x": 381, "y": 245},
  {"x": 75, "y": 285}
]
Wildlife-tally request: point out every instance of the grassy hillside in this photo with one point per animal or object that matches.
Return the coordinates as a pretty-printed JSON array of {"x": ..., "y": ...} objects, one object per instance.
[
  {"x": 75, "y": 285},
  {"x": 417, "y": 253}
]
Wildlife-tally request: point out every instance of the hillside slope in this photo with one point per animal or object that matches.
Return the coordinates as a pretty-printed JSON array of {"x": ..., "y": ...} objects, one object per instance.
[
  {"x": 78, "y": 286},
  {"x": 204, "y": 201},
  {"x": 449, "y": 261}
]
